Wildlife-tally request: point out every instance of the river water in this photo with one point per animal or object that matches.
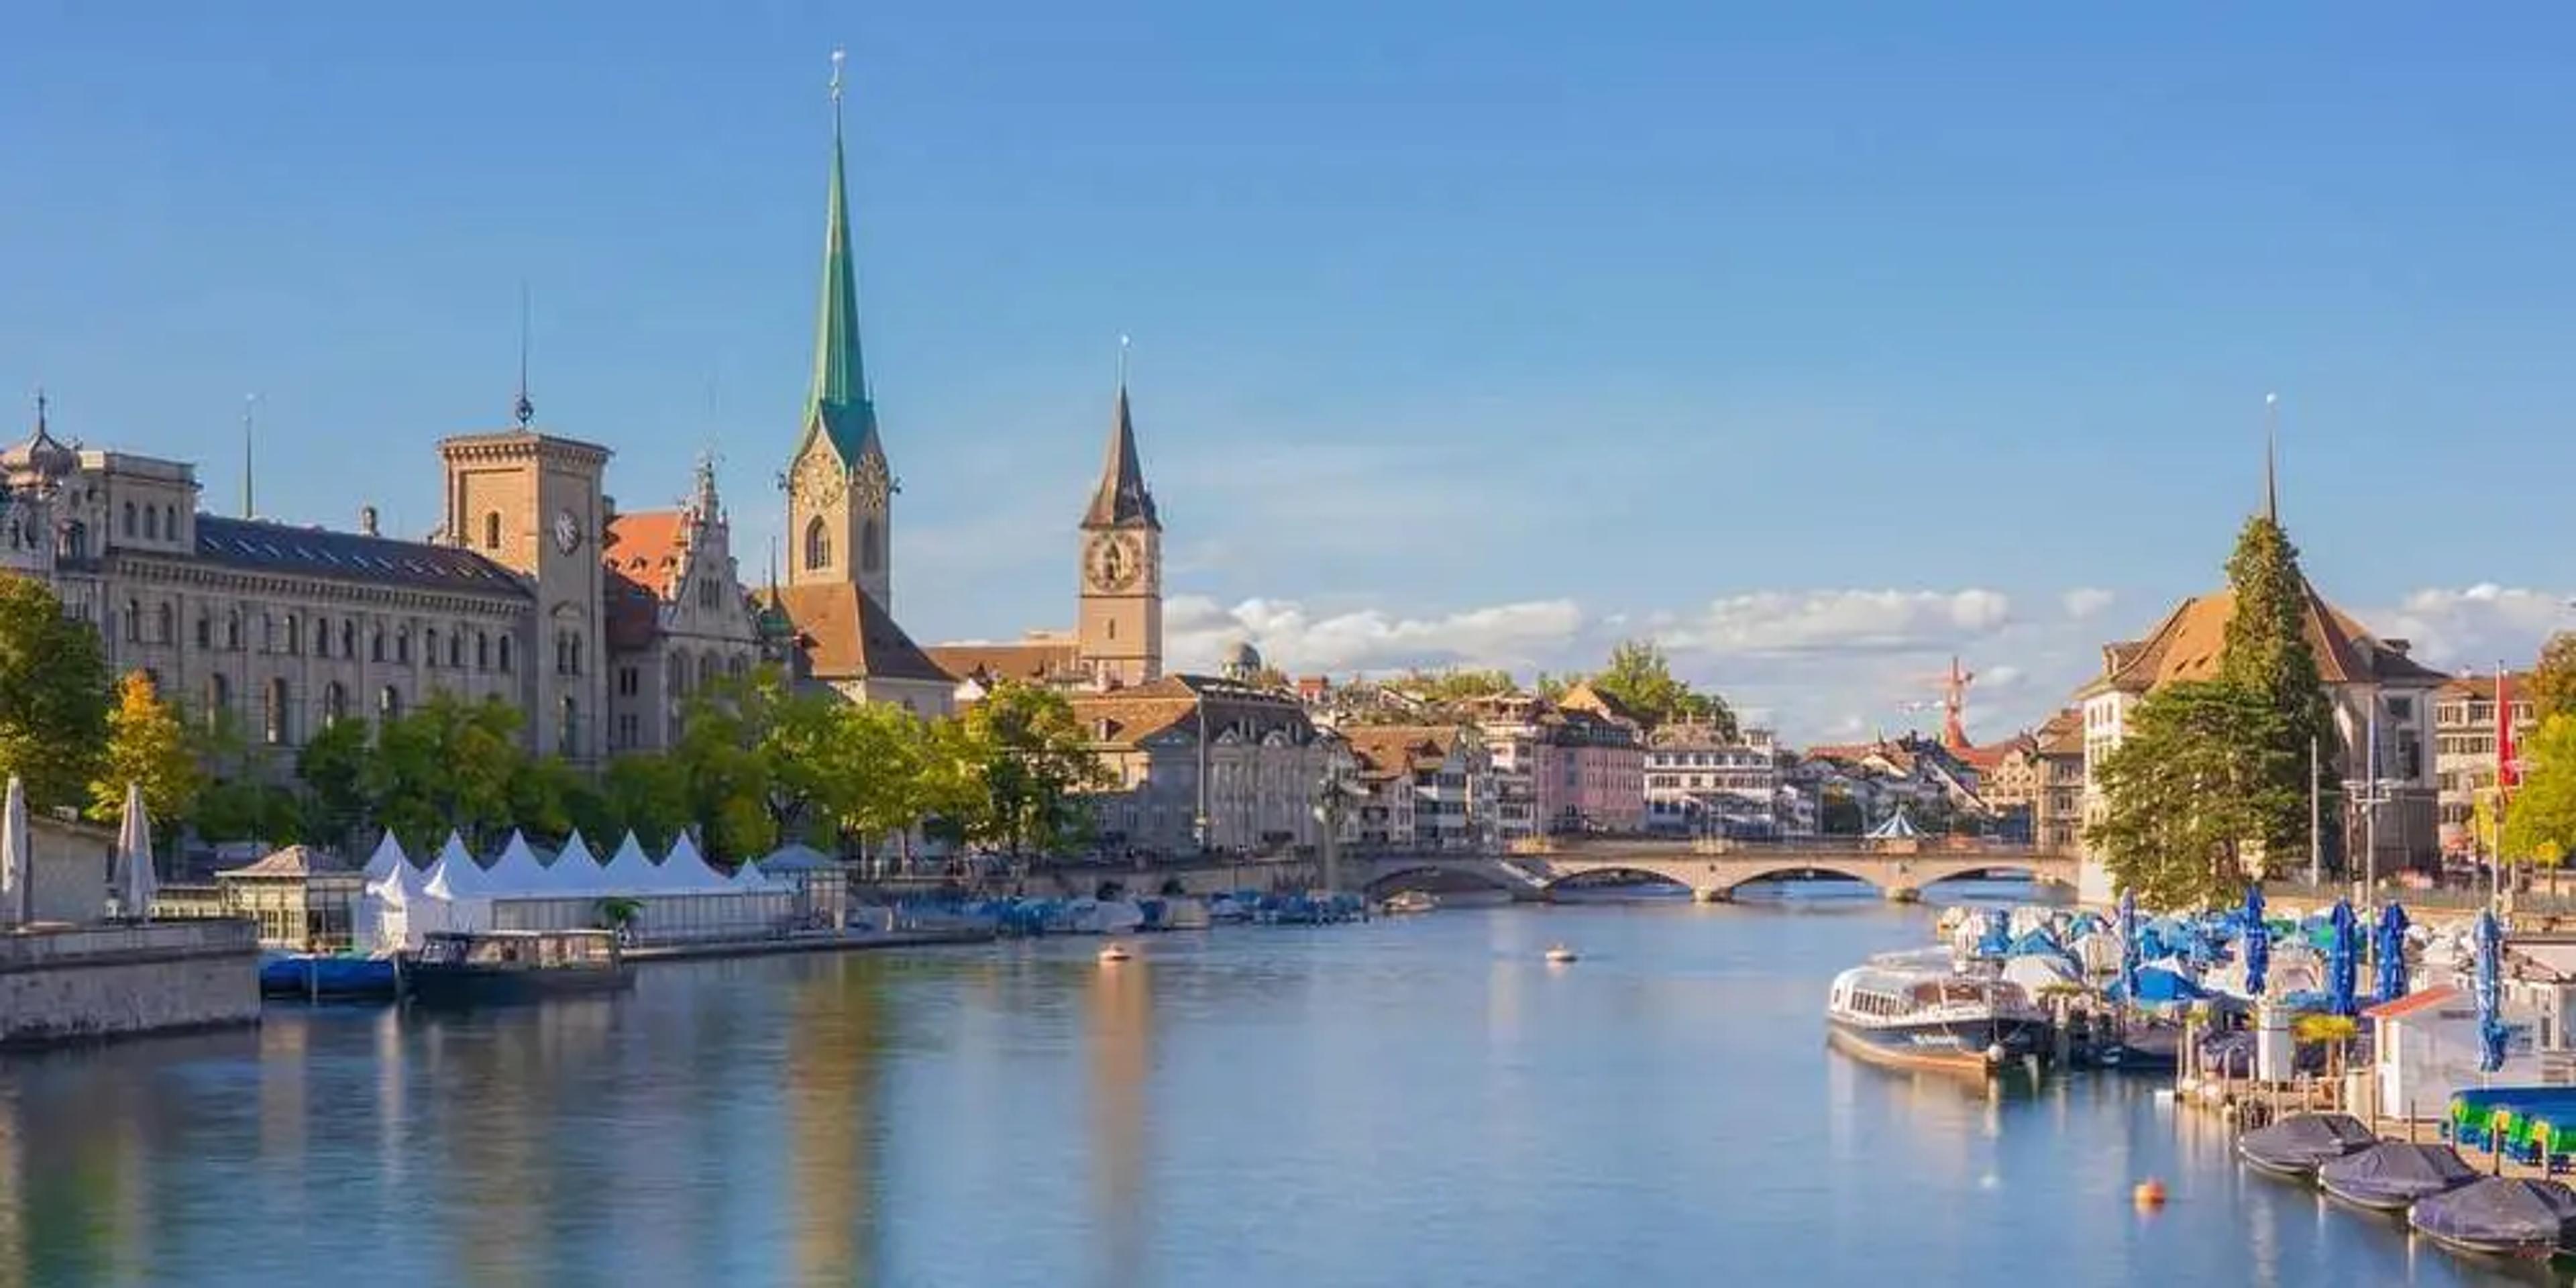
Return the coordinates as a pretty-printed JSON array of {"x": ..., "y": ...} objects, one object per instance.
[{"x": 1408, "y": 1102}]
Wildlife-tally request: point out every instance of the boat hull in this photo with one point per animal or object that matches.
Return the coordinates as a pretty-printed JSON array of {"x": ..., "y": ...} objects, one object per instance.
[
  {"x": 1945, "y": 1047},
  {"x": 478, "y": 986}
]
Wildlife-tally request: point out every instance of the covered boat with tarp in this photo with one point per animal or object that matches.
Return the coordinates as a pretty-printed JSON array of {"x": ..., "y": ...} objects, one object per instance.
[
  {"x": 2391, "y": 1176},
  {"x": 2499, "y": 1217},
  {"x": 2297, "y": 1145}
]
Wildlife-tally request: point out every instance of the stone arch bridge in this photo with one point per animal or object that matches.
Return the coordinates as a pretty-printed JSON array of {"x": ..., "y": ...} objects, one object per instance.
[{"x": 1713, "y": 870}]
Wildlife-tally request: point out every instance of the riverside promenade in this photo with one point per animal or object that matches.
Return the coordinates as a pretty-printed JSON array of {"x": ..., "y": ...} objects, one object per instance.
[{"x": 79, "y": 983}]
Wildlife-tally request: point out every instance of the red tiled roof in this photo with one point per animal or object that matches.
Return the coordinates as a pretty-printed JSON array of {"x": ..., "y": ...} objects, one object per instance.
[
  {"x": 847, "y": 636},
  {"x": 2484, "y": 686},
  {"x": 2428, "y": 999},
  {"x": 645, "y": 547},
  {"x": 1035, "y": 662},
  {"x": 2187, "y": 644}
]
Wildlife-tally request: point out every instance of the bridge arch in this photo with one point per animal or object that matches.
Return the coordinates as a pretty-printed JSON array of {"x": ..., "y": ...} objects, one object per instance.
[
  {"x": 1432, "y": 878},
  {"x": 1734, "y": 880},
  {"x": 1607, "y": 873}
]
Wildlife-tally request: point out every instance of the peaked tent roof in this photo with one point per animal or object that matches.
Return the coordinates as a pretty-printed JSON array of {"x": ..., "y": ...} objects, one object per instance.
[
  {"x": 1897, "y": 827},
  {"x": 388, "y": 856},
  {"x": 517, "y": 871},
  {"x": 1122, "y": 499},
  {"x": 839, "y": 406},
  {"x": 575, "y": 869},
  {"x": 456, "y": 875},
  {"x": 685, "y": 869},
  {"x": 627, "y": 871}
]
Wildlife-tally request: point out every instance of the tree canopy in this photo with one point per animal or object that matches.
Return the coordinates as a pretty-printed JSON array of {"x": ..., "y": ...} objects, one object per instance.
[
  {"x": 147, "y": 745},
  {"x": 2540, "y": 817},
  {"x": 53, "y": 696},
  {"x": 1640, "y": 678},
  {"x": 2265, "y": 654},
  {"x": 2198, "y": 770},
  {"x": 1035, "y": 759},
  {"x": 2553, "y": 680}
]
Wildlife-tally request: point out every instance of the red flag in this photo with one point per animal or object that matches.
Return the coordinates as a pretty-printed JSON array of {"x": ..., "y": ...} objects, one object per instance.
[{"x": 2508, "y": 773}]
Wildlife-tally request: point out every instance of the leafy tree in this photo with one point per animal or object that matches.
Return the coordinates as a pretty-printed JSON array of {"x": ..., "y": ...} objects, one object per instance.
[
  {"x": 146, "y": 744},
  {"x": 1552, "y": 687},
  {"x": 720, "y": 756},
  {"x": 542, "y": 795},
  {"x": 2553, "y": 681},
  {"x": 878, "y": 763},
  {"x": 244, "y": 809},
  {"x": 1640, "y": 678},
  {"x": 951, "y": 790},
  {"x": 1448, "y": 688},
  {"x": 2540, "y": 818},
  {"x": 2197, "y": 774},
  {"x": 447, "y": 764},
  {"x": 2265, "y": 655},
  {"x": 1037, "y": 759},
  {"x": 645, "y": 792},
  {"x": 53, "y": 695},
  {"x": 336, "y": 766}
]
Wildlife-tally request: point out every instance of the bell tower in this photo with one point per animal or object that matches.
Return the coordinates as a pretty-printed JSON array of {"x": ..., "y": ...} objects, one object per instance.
[
  {"x": 840, "y": 488},
  {"x": 1120, "y": 631}
]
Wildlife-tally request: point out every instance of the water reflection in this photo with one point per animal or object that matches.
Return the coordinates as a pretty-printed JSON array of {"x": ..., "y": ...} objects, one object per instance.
[
  {"x": 835, "y": 1044},
  {"x": 1119, "y": 1014}
]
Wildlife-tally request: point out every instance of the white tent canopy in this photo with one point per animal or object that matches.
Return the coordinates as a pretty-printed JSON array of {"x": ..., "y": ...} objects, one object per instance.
[
  {"x": 575, "y": 872},
  {"x": 685, "y": 870},
  {"x": 388, "y": 856},
  {"x": 516, "y": 874},
  {"x": 1897, "y": 827},
  {"x": 628, "y": 872}
]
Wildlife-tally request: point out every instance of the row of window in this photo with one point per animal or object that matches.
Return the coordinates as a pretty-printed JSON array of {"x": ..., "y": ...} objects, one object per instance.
[
  {"x": 2480, "y": 713},
  {"x": 279, "y": 725},
  {"x": 157, "y": 519},
  {"x": 289, "y": 634}
]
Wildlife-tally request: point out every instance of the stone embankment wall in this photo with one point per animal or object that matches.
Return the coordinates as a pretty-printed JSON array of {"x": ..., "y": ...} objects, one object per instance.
[{"x": 92, "y": 982}]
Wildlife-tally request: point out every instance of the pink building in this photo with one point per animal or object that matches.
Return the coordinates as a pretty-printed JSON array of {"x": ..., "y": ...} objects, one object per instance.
[{"x": 1591, "y": 766}]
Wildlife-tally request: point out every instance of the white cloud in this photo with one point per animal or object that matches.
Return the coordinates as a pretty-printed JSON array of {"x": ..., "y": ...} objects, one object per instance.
[
  {"x": 2476, "y": 627},
  {"x": 2003, "y": 678},
  {"x": 1523, "y": 637},
  {"x": 1840, "y": 621},
  {"x": 2086, "y": 601}
]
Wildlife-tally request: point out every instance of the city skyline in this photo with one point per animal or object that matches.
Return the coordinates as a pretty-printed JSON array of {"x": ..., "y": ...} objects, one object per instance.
[{"x": 1482, "y": 358}]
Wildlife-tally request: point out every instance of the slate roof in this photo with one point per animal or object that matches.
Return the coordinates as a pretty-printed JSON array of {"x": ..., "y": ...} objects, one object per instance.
[{"x": 259, "y": 546}]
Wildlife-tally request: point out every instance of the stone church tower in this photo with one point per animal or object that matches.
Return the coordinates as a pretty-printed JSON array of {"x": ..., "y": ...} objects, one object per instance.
[
  {"x": 839, "y": 486},
  {"x": 1119, "y": 633}
]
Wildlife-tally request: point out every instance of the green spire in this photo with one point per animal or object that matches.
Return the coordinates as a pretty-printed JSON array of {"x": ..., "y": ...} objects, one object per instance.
[{"x": 838, "y": 404}]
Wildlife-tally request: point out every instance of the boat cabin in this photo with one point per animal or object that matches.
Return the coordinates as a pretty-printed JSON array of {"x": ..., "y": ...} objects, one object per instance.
[{"x": 522, "y": 949}]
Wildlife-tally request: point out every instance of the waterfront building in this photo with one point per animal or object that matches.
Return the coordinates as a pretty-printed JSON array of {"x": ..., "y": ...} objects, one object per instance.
[
  {"x": 1699, "y": 783},
  {"x": 1207, "y": 763},
  {"x": 1599, "y": 763},
  {"x": 2464, "y": 747},
  {"x": 2034, "y": 781},
  {"x": 2370, "y": 684},
  {"x": 1382, "y": 815},
  {"x": 676, "y": 622},
  {"x": 1446, "y": 765},
  {"x": 1520, "y": 765},
  {"x": 1117, "y": 639}
]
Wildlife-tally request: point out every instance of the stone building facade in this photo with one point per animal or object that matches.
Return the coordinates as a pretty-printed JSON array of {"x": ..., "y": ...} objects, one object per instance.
[{"x": 1203, "y": 763}]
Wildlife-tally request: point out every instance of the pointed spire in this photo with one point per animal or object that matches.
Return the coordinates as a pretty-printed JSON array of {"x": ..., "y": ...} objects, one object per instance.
[
  {"x": 248, "y": 402},
  {"x": 2271, "y": 458},
  {"x": 523, "y": 410},
  {"x": 840, "y": 402},
  {"x": 1121, "y": 498}
]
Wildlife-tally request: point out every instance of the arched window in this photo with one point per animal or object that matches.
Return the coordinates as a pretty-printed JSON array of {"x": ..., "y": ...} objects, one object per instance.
[
  {"x": 321, "y": 637},
  {"x": 402, "y": 645},
  {"x": 818, "y": 545},
  {"x": 75, "y": 541},
  {"x": 165, "y": 624},
  {"x": 376, "y": 642},
  {"x": 129, "y": 518},
  {"x": 274, "y": 727},
  {"x": 133, "y": 621},
  {"x": 152, "y": 522},
  {"x": 706, "y": 669},
  {"x": 429, "y": 647},
  {"x": 219, "y": 698},
  {"x": 678, "y": 682},
  {"x": 456, "y": 647},
  {"x": 389, "y": 703},
  {"x": 482, "y": 651},
  {"x": 232, "y": 629},
  {"x": 294, "y": 634},
  {"x": 267, "y": 633},
  {"x": 505, "y": 654},
  {"x": 568, "y": 741},
  {"x": 492, "y": 530},
  {"x": 335, "y": 704},
  {"x": 170, "y": 522},
  {"x": 205, "y": 629},
  {"x": 871, "y": 546},
  {"x": 349, "y": 638}
]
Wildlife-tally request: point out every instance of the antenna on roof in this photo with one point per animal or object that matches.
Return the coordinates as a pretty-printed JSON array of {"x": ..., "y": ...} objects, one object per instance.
[
  {"x": 248, "y": 401},
  {"x": 40, "y": 409},
  {"x": 524, "y": 410}
]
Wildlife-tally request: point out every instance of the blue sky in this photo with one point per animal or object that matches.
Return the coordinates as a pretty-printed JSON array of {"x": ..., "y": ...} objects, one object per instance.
[{"x": 1816, "y": 340}]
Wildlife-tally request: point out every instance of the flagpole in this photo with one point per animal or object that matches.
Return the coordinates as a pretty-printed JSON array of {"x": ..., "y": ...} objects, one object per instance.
[{"x": 2504, "y": 775}]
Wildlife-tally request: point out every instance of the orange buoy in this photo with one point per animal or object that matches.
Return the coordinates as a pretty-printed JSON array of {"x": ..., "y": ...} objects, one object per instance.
[{"x": 2150, "y": 1193}]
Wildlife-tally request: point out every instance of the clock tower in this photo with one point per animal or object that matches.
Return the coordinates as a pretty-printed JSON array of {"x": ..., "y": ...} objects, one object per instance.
[
  {"x": 1120, "y": 632},
  {"x": 840, "y": 488}
]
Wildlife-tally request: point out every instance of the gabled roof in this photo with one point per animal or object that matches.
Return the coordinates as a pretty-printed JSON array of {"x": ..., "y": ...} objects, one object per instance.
[
  {"x": 2433, "y": 998},
  {"x": 260, "y": 546},
  {"x": 1584, "y": 697},
  {"x": 647, "y": 547},
  {"x": 1121, "y": 499},
  {"x": 1126, "y": 718},
  {"x": 295, "y": 861},
  {"x": 1035, "y": 662},
  {"x": 845, "y": 635},
  {"x": 2188, "y": 643}
]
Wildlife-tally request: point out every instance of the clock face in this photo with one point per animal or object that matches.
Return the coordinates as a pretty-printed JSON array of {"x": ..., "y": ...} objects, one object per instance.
[
  {"x": 567, "y": 532},
  {"x": 875, "y": 483},
  {"x": 819, "y": 479},
  {"x": 1114, "y": 561}
]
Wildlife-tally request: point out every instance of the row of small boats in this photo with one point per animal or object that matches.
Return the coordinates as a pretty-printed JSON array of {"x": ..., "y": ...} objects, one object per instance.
[{"x": 2444, "y": 1198}]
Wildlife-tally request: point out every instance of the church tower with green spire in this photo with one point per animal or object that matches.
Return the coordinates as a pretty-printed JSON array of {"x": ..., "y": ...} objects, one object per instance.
[{"x": 840, "y": 488}]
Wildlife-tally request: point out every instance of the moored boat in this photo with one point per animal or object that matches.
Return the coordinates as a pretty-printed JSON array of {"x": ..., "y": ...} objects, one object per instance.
[
  {"x": 464, "y": 968},
  {"x": 332, "y": 976},
  {"x": 2297, "y": 1145},
  {"x": 2394, "y": 1175},
  {"x": 2499, "y": 1216},
  {"x": 1410, "y": 901},
  {"x": 1920, "y": 1016}
]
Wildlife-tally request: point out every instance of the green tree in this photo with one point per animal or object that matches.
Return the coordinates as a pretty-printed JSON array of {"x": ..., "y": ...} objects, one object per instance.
[
  {"x": 720, "y": 756},
  {"x": 646, "y": 792},
  {"x": 2553, "y": 680},
  {"x": 2265, "y": 655},
  {"x": 1640, "y": 678},
  {"x": 53, "y": 696},
  {"x": 1450, "y": 687},
  {"x": 1038, "y": 760},
  {"x": 542, "y": 796},
  {"x": 447, "y": 764},
  {"x": 955, "y": 800},
  {"x": 146, "y": 744},
  {"x": 2540, "y": 818},
  {"x": 336, "y": 766},
  {"x": 2193, "y": 780}
]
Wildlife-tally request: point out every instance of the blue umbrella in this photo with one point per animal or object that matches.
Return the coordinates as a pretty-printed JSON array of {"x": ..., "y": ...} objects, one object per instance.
[
  {"x": 2258, "y": 942},
  {"x": 2130, "y": 950},
  {"x": 1997, "y": 939},
  {"x": 2392, "y": 953},
  {"x": 2343, "y": 959},
  {"x": 2490, "y": 993}
]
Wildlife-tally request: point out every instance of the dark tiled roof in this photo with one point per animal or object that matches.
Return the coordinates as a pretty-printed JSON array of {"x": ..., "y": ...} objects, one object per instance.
[
  {"x": 348, "y": 556},
  {"x": 847, "y": 636},
  {"x": 1037, "y": 662}
]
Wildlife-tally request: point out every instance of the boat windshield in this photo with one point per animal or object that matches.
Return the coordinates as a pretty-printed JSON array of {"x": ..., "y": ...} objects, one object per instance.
[{"x": 1951, "y": 992}]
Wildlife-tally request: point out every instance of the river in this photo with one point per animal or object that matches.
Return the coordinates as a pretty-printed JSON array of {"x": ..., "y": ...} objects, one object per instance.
[{"x": 1412, "y": 1101}]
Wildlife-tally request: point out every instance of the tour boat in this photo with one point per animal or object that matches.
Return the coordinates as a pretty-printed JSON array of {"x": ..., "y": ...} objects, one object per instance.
[
  {"x": 463, "y": 968},
  {"x": 1922, "y": 1016},
  {"x": 1411, "y": 901},
  {"x": 1114, "y": 953},
  {"x": 1561, "y": 955}
]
